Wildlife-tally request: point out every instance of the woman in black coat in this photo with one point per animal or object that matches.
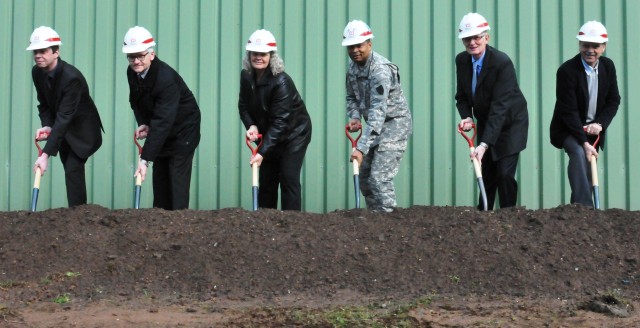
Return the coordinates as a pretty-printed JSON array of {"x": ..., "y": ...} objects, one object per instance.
[{"x": 269, "y": 104}]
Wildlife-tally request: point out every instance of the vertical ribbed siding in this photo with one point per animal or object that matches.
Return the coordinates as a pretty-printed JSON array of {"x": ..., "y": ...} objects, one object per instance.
[{"x": 204, "y": 41}]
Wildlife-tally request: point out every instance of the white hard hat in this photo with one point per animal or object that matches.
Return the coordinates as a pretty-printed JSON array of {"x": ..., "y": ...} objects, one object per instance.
[
  {"x": 356, "y": 32},
  {"x": 593, "y": 31},
  {"x": 43, "y": 37},
  {"x": 261, "y": 41},
  {"x": 472, "y": 24},
  {"x": 137, "y": 39}
]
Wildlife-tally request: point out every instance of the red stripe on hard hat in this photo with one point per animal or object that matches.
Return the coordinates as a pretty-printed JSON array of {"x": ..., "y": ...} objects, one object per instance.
[
  {"x": 366, "y": 33},
  {"x": 602, "y": 35},
  {"x": 52, "y": 39},
  {"x": 149, "y": 40},
  {"x": 272, "y": 44},
  {"x": 484, "y": 24}
]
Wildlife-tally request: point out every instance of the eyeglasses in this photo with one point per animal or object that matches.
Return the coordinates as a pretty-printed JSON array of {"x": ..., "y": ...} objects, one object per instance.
[
  {"x": 133, "y": 58},
  {"x": 476, "y": 38}
]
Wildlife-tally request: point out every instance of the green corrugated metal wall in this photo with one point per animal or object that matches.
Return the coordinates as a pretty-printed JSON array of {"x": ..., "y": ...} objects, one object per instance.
[{"x": 204, "y": 41}]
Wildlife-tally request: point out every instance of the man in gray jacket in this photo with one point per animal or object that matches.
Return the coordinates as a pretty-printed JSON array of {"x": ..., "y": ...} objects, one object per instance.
[{"x": 375, "y": 94}]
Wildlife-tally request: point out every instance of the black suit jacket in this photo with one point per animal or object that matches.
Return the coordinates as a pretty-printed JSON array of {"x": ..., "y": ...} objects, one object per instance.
[
  {"x": 498, "y": 105},
  {"x": 572, "y": 101},
  {"x": 163, "y": 102},
  {"x": 68, "y": 109}
]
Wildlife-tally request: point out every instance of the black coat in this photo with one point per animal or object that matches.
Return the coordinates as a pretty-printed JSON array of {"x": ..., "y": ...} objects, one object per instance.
[
  {"x": 163, "y": 102},
  {"x": 276, "y": 108},
  {"x": 68, "y": 109},
  {"x": 572, "y": 101},
  {"x": 498, "y": 105}
]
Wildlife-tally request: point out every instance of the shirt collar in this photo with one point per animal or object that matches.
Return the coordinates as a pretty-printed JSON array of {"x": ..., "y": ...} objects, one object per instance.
[
  {"x": 588, "y": 68},
  {"x": 480, "y": 60},
  {"x": 144, "y": 73}
]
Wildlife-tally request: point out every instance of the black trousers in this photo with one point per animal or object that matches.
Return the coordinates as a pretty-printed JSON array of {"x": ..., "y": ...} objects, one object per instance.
[
  {"x": 283, "y": 168},
  {"x": 74, "y": 175},
  {"x": 171, "y": 181},
  {"x": 579, "y": 172},
  {"x": 499, "y": 176}
]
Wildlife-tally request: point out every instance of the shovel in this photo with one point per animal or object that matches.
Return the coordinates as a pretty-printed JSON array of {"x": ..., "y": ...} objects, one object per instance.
[
  {"x": 356, "y": 167},
  {"x": 594, "y": 175},
  {"x": 476, "y": 164},
  {"x": 138, "y": 176},
  {"x": 254, "y": 169},
  {"x": 36, "y": 181}
]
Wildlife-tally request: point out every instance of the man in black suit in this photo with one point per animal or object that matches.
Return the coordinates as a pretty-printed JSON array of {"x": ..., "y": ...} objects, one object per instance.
[
  {"x": 587, "y": 99},
  {"x": 70, "y": 120},
  {"x": 168, "y": 117},
  {"x": 487, "y": 89}
]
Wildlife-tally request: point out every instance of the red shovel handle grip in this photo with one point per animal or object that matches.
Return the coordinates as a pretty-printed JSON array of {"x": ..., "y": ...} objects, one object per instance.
[
  {"x": 354, "y": 142},
  {"x": 135, "y": 140},
  {"x": 36, "y": 140},
  {"x": 254, "y": 150},
  {"x": 597, "y": 139},
  {"x": 464, "y": 134}
]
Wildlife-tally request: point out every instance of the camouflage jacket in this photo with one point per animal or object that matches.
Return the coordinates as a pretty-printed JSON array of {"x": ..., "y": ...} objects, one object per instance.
[{"x": 375, "y": 94}]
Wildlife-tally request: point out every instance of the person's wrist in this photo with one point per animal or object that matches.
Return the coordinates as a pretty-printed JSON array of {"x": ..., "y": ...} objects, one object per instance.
[
  {"x": 483, "y": 144},
  {"x": 144, "y": 162}
]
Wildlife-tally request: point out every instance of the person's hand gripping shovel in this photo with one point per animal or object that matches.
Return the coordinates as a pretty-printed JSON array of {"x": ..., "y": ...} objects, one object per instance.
[
  {"x": 38, "y": 174},
  {"x": 476, "y": 164},
  {"x": 138, "y": 184},
  {"x": 355, "y": 164},
  {"x": 254, "y": 168},
  {"x": 594, "y": 175}
]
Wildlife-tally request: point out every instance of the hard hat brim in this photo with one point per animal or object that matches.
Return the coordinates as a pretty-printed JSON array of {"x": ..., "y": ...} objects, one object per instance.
[
  {"x": 593, "y": 39},
  {"x": 132, "y": 49},
  {"x": 474, "y": 32},
  {"x": 43, "y": 46},
  {"x": 356, "y": 40},
  {"x": 260, "y": 48}
]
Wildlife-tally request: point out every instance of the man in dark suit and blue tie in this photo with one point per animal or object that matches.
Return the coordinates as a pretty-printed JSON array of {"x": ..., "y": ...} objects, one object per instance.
[
  {"x": 487, "y": 90},
  {"x": 70, "y": 120},
  {"x": 587, "y": 99}
]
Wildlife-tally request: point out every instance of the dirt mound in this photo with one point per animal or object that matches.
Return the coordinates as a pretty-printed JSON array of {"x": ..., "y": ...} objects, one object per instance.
[{"x": 232, "y": 258}]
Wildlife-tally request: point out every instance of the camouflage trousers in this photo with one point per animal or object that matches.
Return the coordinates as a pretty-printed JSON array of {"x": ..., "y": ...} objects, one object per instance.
[{"x": 377, "y": 171}]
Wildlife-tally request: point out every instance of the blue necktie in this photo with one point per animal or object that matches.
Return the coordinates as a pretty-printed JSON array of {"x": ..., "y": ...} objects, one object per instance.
[{"x": 474, "y": 80}]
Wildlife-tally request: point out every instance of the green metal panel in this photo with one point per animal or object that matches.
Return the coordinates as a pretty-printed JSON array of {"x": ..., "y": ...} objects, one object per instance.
[{"x": 204, "y": 41}]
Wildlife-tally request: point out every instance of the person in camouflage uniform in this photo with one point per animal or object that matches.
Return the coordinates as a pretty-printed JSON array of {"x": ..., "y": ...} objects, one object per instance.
[{"x": 375, "y": 94}]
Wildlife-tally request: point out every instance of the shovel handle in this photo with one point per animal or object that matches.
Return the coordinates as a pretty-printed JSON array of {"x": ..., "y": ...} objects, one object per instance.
[
  {"x": 135, "y": 140},
  {"x": 38, "y": 174},
  {"x": 254, "y": 173},
  {"x": 594, "y": 171},
  {"x": 356, "y": 167},
  {"x": 594, "y": 175},
  {"x": 36, "y": 180}
]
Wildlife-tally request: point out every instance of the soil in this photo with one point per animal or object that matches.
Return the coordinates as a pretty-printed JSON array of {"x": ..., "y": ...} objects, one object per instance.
[{"x": 90, "y": 266}]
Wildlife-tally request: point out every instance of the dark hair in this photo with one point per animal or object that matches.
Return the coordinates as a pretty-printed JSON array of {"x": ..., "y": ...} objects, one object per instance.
[{"x": 54, "y": 48}]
